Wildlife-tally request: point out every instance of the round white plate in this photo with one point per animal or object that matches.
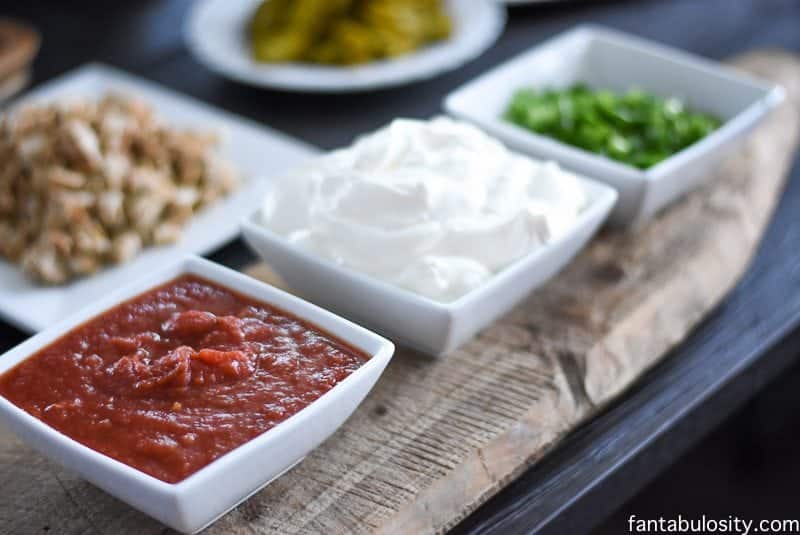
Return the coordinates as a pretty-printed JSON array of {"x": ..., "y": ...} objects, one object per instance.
[{"x": 216, "y": 35}]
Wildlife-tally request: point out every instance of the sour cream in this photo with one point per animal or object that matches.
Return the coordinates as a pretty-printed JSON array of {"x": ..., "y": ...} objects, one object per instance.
[{"x": 435, "y": 207}]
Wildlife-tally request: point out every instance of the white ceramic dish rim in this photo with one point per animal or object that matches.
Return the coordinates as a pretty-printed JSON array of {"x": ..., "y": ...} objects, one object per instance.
[
  {"x": 774, "y": 94},
  {"x": 601, "y": 196},
  {"x": 420, "y": 65},
  {"x": 189, "y": 264}
]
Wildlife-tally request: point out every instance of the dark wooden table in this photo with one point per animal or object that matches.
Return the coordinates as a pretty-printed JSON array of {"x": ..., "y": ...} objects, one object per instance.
[{"x": 747, "y": 341}]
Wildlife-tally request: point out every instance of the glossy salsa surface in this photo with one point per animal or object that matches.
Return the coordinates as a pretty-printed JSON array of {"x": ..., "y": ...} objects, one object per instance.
[{"x": 178, "y": 376}]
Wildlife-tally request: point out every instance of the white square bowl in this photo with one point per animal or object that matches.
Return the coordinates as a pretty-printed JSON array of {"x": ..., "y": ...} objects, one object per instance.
[
  {"x": 604, "y": 58},
  {"x": 191, "y": 504},
  {"x": 432, "y": 327}
]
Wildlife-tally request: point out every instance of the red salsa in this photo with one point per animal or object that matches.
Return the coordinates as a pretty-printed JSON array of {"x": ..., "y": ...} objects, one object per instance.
[{"x": 177, "y": 377}]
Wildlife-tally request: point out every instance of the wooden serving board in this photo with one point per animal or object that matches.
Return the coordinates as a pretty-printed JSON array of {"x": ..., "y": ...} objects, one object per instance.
[{"x": 436, "y": 438}]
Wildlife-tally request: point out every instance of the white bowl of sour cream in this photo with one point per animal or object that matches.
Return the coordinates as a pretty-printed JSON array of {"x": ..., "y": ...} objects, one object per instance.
[{"x": 425, "y": 230}]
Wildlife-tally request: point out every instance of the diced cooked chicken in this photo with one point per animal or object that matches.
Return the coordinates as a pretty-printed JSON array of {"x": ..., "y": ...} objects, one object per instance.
[
  {"x": 88, "y": 183},
  {"x": 45, "y": 264},
  {"x": 91, "y": 238},
  {"x": 125, "y": 246},
  {"x": 80, "y": 143},
  {"x": 111, "y": 208},
  {"x": 145, "y": 211},
  {"x": 84, "y": 264},
  {"x": 61, "y": 177},
  {"x": 31, "y": 146},
  {"x": 166, "y": 233},
  {"x": 116, "y": 167}
]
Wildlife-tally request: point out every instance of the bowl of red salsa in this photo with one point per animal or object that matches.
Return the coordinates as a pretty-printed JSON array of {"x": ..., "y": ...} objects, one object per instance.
[{"x": 187, "y": 391}]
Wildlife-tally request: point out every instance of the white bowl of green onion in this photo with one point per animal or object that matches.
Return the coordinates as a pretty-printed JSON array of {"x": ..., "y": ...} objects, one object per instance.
[{"x": 647, "y": 119}]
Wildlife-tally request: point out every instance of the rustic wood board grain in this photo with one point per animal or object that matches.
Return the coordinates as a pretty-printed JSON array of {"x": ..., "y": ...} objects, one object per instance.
[{"x": 435, "y": 439}]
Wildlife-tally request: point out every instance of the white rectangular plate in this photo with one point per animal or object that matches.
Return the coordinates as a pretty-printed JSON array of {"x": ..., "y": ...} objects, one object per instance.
[{"x": 258, "y": 153}]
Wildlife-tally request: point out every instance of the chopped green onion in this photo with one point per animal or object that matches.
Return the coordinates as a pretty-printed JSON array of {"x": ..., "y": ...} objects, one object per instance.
[{"x": 635, "y": 127}]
